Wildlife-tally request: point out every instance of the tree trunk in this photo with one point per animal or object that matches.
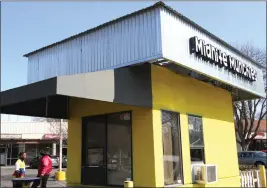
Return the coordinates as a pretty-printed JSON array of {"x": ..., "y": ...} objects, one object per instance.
[{"x": 245, "y": 146}]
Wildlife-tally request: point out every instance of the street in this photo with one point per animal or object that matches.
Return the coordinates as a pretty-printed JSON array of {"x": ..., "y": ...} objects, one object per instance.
[{"x": 6, "y": 176}]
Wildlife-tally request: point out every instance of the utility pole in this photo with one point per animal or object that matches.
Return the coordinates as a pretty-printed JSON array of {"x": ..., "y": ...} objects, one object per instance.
[{"x": 60, "y": 175}]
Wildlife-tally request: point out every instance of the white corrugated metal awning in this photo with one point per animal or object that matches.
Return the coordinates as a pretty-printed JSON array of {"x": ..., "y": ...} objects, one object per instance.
[{"x": 154, "y": 33}]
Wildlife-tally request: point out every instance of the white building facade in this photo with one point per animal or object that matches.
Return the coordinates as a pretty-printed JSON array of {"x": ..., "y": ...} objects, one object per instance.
[{"x": 31, "y": 137}]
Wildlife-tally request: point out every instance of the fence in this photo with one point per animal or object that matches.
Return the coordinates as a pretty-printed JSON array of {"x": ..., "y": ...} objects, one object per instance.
[
  {"x": 250, "y": 178},
  {"x": 253, "y": 177}
]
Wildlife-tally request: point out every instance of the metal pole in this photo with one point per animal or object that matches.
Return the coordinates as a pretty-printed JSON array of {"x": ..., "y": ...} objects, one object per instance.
[
  {"x": 54, "y": 149},
  {"x": 60, "y": 146},
  {"x": 6, "y": 150},
  {"x": 10, "y": 154}
]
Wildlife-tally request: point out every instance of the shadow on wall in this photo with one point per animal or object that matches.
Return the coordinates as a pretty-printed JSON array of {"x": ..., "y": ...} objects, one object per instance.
[{"x": 133, "y": 85}]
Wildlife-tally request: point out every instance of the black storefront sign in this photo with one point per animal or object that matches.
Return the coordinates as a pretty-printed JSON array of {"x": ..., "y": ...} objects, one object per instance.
[{"x": 214, "y": 55}]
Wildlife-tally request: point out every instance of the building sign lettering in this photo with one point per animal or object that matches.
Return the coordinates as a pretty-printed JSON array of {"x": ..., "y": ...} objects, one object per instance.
[
  {"x": 11, "y": 136},
  {"x": 214, "y": 55}
]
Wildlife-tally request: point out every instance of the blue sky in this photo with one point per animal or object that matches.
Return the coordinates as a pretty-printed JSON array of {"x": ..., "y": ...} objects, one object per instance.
[{"x": 26, "y": 26}]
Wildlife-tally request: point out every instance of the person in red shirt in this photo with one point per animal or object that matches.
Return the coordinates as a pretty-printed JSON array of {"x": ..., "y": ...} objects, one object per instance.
[{"x": 44, "y": 170}]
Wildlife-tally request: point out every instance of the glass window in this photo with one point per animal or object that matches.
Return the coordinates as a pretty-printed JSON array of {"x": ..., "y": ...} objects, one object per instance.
[
  {"x": 16, "y": 149},
  {"x": 257, "y": 145},
  {"x": 240, "y": 155},
  {"x": 2, "y": 150},
  {"x": 31, "y": 150},
  {"x": 264, "y": 144},
  {"x": 95, "y": 156},
  {"x": 248, "y": 154},
  {"x": 9, "y": 148},
  {"x": 107, "y": 149},
  {"x": 95, "y": 141},
  {"x": 261, "y": 154},
  {"x": 119, "y": 152},
  {"x": 172, "y": 158},
  {"x": 196, "y": 138}
]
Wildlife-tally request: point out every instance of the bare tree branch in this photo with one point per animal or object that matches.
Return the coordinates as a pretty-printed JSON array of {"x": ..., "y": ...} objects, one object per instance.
[
  {"x": 55, "y": 127},
  {"x": 238, "y": 122},
  {"x": 247, "y": 112},
  {"x": 256, "y": 103}
]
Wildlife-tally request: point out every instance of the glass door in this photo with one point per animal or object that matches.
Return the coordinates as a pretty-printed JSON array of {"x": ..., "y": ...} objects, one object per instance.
[
  {"x": 93, "y": 151},
  {"x": 119, "y": 150},
  {"x": 107, "y": 149}
]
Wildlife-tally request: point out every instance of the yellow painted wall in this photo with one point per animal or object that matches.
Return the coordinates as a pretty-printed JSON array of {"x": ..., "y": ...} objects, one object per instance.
[
  {"x": 74, "y": 150},
  {"x": 170, "y": 92},
  {"x": 190, "y": 96},
  {"x": 144, "y": 168}
]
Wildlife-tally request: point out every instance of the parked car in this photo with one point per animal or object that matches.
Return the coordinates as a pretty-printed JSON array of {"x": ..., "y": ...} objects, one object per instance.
[
  {"x": 55, "y": 162},
  {"x": 252, "y": 158},
  {"x": 265, "y": 151},
  {"x": 64, "y": 161}
]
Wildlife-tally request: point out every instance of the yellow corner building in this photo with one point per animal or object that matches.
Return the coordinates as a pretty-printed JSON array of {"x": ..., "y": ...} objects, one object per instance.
[{"x": 148, "y": 98}]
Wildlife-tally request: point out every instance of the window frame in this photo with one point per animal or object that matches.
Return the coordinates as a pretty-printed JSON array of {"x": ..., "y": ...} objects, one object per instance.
[
  {"x": 180, "y": 149},
  {"x": 197, "y": 147}
]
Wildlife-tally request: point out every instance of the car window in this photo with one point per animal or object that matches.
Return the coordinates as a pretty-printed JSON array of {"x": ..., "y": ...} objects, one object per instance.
[
  {"x": 248, "y": 154},
  {"x": 261, "y": 154}
]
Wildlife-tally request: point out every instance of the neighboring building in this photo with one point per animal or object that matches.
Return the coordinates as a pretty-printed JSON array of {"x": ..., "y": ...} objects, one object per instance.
[
  {"x": 31, "y": 137},
  {"x": 145, "y": 96},
  {"x": 260, "y": 141}
]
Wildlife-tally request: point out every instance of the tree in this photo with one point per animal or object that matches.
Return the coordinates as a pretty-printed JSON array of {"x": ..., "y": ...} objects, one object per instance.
[
  {"x": 246, "y": 112},
  {"x": 55, "y": 127}
]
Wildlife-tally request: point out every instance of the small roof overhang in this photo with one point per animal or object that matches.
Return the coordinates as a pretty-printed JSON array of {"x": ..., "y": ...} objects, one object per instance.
[
  {"x": 50, "y": 98},
  {"x": 39, "y": 99}
]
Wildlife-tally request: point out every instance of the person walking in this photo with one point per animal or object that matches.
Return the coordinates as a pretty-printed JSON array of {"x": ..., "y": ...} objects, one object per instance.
[
  {"x": 19, "y": 168},
  {"x": 44, "y": 170}
]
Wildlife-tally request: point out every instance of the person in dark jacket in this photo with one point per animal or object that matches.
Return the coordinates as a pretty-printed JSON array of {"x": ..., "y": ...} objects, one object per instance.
[{"x": 44, "y": 170}]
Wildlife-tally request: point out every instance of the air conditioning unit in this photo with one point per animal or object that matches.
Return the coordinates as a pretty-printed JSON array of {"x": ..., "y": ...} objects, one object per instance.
[{"x": 205, "y": 174}]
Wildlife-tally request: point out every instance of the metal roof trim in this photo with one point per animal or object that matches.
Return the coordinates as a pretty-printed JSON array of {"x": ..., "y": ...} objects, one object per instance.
[
  {"x": 95, "y": 28},
  {"x": 156, "y": 5}
]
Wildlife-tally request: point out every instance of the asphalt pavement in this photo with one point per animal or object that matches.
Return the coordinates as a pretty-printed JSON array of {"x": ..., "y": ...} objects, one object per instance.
[{"x": 6, "y": 176}]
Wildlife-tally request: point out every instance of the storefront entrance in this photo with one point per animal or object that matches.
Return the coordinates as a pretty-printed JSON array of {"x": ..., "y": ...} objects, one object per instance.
[{"x": 106, "y": 149}]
